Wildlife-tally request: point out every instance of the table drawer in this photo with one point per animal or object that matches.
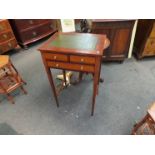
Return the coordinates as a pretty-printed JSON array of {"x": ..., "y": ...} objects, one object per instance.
[
  {"x": 56, "y": 57},
  {"x": 68, "y": 66},
  {"x": 82, "y": 59},
  {"x": 5, "y": 36},
  {"x": 6, "y": 46},
  {"x": 4, "y": 25},
  {"x": 37, "y": 32}
]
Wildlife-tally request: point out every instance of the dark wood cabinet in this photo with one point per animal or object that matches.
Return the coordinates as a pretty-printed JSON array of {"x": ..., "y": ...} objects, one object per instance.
[
  {"x": 30, "y": 30},
  {"x": 119, "y": 33},
  {"x": 144, "y": 44},
  {"x": 7, "y": 38}
]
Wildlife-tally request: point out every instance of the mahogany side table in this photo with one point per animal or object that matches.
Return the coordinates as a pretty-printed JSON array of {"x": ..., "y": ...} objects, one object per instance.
[{"x": 81, "y": 52}]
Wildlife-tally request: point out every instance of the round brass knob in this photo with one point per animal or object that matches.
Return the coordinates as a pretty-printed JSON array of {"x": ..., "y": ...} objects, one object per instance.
[
  {"x": 4, "y": 35},
  {"x": 81, "y": 67},
  {"x": 51, "y": 26},
  {"x": 31, "y": 21},
  {"x": 34, "y": 33},
  {"x": 57, "y": 65},
  {"x": 82, "y": 60},
  {"x": 55, "y": 57}
]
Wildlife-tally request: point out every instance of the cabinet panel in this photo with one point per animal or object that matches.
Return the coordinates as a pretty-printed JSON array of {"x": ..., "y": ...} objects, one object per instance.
[
  {"x": 119, "y": 33},
  {"x": 144, "y": 43},
  {"x": 120, "y": 42}
]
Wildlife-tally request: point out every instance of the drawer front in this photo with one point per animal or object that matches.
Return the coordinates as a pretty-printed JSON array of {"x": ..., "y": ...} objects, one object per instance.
[
  {"x": 6, "y": 46},
  {"x": 27, "y": 23},
  {"x": 82, "y": 59},
  {"x": 56, "y": 57},
  {"x": 6, "y": 36},
  {"x": 4, "y": 25},
  {"x": 152, "y": 35},
  {"x": 68, "y": 66},
  {"x": 150, "y": 47},
  {"x": 37, "y": 32}
]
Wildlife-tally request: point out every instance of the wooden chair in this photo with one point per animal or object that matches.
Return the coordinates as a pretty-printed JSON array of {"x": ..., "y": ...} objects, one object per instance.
[
  {"x": 9, "y": 78},
  {"x": 147, "y": 125}
]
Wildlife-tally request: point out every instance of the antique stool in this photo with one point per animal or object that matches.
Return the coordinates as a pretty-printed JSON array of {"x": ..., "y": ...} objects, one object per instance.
[
  {"x": 9, "y": 78},
  {"x": 147, "y": 125}
]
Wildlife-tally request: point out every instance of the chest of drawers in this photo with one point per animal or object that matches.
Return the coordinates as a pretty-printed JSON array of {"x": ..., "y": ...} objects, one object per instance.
[
  {"x": 145, "y": 38},
  {"x": 30, "y": 30},
  {"x": 7, "y": 38}
]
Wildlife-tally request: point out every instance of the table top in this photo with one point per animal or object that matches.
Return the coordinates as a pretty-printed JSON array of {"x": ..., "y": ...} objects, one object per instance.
[{"x": 81, "y": 43}]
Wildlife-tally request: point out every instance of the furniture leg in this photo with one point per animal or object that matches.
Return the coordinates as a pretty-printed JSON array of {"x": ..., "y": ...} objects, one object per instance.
[
  {"x": 10, "y": 98},
  {"x": 94, "y": 93},
  {"x": 17, "y": 73},
  {"x": 136, "y": 126},
  {"x": 25, "y": 47},
  {"x": 22, "y": 88},
  {"x": 12, "y": 72},
  {"x": 100, "y": 79},
  {"x": 64, "y": 75},
  {"x": 50, "y": 78}
]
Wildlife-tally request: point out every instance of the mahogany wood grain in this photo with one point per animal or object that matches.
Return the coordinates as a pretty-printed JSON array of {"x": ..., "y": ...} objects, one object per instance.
[
  {"x": 30, "y": 30},
  {"x": 119, "y": 33}
]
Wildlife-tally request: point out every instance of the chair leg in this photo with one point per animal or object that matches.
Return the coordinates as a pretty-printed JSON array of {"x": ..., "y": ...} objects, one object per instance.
[
  {"x": 138, "y": 125},
  {"x": 22, "y": 88},
  {"x": 10, "y": 98}
]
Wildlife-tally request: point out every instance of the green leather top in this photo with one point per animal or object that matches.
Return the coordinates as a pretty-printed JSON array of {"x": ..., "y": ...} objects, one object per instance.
[{"x": 80, "y": 42}]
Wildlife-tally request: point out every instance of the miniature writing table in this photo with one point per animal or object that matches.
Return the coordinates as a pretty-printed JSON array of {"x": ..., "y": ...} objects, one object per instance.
[{"x": 80, "y": 52}]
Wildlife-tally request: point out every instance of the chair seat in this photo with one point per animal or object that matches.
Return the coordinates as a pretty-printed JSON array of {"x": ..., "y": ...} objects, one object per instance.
[{"x": 4, "y": 60}]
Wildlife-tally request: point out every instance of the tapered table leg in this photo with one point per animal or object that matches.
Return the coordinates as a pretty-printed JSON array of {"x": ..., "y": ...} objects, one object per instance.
[
  {"x": 95, "y": 87},
  {"x": 50, "y": 78}
]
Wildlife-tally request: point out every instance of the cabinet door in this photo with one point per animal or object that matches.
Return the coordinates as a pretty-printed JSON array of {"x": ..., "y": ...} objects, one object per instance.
[{"x": 120, "y": 43}]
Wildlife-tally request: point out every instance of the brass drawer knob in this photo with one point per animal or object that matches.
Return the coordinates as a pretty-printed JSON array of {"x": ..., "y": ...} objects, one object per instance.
[
  {"x": 9, "y": 44},
  {"x": 5, "y": 36},
  {"x": 82, "y": 60},
  {"x": 31, "y": 21},
  {"x": 55, "y": 57},
  {"x": 81, "y": 67},
  {"x": 57, "y": 65},
  {"x": 51, "y": 26},
  {"x": 34, "y": 33}
]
